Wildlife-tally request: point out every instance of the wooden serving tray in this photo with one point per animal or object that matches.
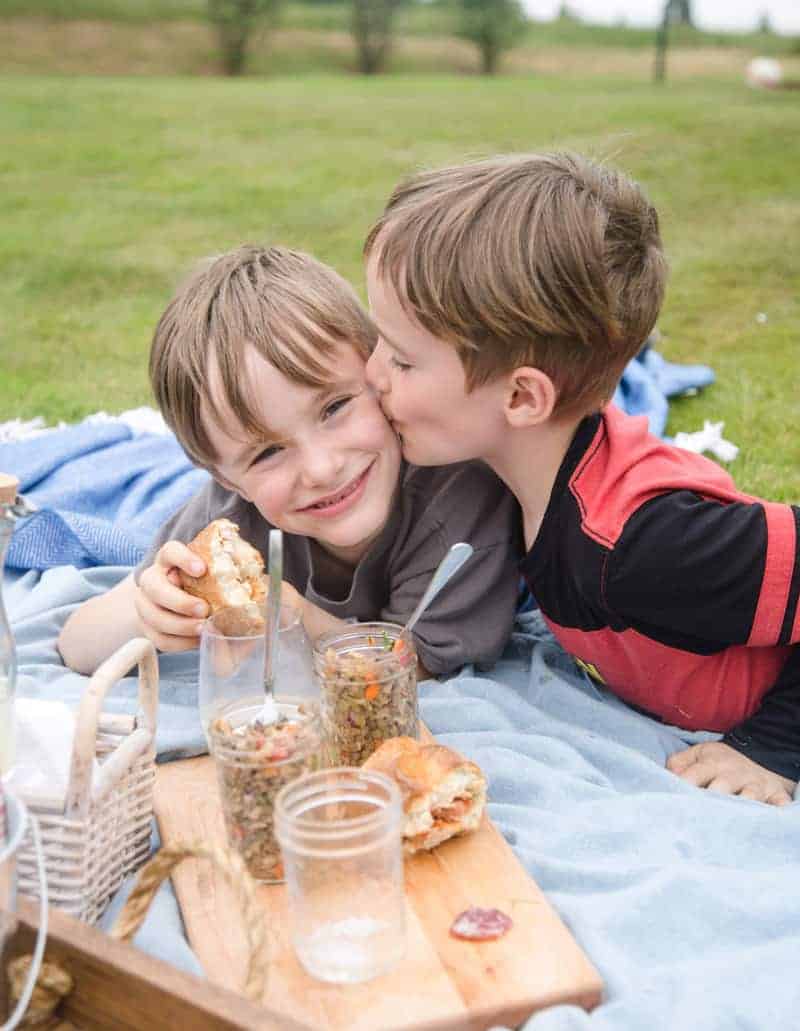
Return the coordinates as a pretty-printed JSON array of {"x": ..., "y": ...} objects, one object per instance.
[
  {"x": 443, "y": 983},
  {"x": 119, "y": 988}
]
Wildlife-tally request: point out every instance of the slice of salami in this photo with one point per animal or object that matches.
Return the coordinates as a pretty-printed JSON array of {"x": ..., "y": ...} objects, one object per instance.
[{"x": 476, "y": 924}]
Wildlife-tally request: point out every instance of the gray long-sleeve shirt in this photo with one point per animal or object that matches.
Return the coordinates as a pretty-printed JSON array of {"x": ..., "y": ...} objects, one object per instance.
[{"x": 469, "y": 621}]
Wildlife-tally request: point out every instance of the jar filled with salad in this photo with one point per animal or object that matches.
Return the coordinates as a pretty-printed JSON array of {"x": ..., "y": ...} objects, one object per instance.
[
  {"x": 254, "y": 758},
  {"x": 367, "y": 677}
]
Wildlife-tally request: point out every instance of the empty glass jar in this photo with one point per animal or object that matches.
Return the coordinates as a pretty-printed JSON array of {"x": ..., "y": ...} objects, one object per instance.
[{"x": 340, "y": 836}]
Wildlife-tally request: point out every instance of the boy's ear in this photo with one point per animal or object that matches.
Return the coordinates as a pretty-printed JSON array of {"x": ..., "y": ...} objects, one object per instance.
[{"x": 530, "y": 397}]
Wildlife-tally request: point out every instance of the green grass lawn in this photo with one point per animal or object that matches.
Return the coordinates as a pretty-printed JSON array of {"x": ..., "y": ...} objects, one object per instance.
[{"x": 110, "y": 188}]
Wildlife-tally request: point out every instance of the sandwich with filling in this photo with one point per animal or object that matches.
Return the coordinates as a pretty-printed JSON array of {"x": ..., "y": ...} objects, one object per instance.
[
  {"x": 443, "y": 793},
  {"x": 234, "y": 579}
]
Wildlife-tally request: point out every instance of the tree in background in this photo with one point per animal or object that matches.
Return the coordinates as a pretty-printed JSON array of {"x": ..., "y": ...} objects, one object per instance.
[
  {"x": 372, "y": 31},
  {"x": 565, "y": 13},
  {"x": 676, "y": 12},
  {"x": 494, "y": 26},
  {"x": 679, "y": 12},
  {"x": 235, "y": 21}
]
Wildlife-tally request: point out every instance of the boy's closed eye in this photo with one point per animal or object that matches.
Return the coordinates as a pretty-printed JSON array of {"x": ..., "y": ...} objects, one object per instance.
[{"x": 398, "y": 364}]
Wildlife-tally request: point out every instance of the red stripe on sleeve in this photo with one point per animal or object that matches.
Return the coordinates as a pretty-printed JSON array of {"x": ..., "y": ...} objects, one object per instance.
[{"x": 781, "y": 542}]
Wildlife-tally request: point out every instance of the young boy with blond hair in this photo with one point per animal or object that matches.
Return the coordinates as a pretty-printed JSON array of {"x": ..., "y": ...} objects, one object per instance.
[
  {"x": 258, "y": 365},
  {"x": 509, "y": 295}
]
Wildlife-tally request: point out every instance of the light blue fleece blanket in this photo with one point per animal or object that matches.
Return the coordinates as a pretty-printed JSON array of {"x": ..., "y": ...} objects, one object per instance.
[{"x": 687, "y": 902}]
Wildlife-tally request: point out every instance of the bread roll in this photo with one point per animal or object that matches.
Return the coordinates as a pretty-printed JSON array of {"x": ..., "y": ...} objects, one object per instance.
[
  {"x": 234, "y": 578},
  {"x": 443, "y": 793}
]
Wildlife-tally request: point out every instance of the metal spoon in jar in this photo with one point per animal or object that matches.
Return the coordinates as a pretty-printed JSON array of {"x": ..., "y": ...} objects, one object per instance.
[
  {"x": 269, "y": 712},
  {"x": 449, "y": 566}
]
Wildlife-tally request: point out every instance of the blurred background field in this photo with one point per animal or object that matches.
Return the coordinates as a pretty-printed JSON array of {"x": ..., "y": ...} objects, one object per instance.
[
  {"x": 126, "y": 157},
  {"x": 165, "y": 37}
]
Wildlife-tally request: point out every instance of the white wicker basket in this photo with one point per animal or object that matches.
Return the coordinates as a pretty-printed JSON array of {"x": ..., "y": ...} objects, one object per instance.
[{"x": 101, "y": 833}]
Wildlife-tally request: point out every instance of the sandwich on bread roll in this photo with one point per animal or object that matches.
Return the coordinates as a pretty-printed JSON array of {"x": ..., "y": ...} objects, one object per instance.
[
  {"x": 234, "y": 577},
  {"x": 443, "y": 793}
]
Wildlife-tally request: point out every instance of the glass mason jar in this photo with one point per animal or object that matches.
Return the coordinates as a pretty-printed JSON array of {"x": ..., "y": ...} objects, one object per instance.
[
  {"x": 367, "y": 677},
  {"x": 231, "y": 666},
  {"x": 253, "y": 762},
  {"x": 340, "y": 837}
]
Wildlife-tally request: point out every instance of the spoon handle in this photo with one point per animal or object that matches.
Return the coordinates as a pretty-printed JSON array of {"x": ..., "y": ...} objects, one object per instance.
[
  {"x": 275, "y": 571},
  {"x": 449, "y": 566}
]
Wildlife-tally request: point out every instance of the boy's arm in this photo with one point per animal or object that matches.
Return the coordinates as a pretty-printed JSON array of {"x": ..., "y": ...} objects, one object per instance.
[
  {"x": 98, "y": 627},
  {"x": 771, "y": 736},
  {"x": 690, "y": 569},
  {"x": 157, "y": 608},
  {"x": 729, "y": 574}
]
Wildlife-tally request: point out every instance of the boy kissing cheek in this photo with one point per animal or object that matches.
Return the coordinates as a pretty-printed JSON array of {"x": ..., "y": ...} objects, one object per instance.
[{"x": 422, "y": 385}]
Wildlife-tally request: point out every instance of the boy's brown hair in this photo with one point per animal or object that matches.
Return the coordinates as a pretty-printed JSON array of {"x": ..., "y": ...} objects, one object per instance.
[
  {"x": 548, "y": 260},
  {"x": 291, "y": 308}
]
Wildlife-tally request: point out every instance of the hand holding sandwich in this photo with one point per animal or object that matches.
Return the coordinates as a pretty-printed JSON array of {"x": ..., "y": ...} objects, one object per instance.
[{"x": 170, "y": 616}]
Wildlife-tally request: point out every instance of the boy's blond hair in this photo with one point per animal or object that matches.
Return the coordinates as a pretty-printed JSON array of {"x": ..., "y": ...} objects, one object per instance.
[
  {"x": 549, "y": 260},
  {"x": 290, "y": 308}
]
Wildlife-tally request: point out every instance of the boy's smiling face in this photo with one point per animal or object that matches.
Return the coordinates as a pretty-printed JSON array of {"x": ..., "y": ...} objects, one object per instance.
[
  {"x": 423, "y": 390},
  {"x": 328, "y": 468}
]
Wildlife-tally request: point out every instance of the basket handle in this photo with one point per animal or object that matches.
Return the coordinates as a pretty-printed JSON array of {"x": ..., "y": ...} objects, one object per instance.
[
  {"x": 232, "y": 866},
  {"x": 140, "y": 651}
]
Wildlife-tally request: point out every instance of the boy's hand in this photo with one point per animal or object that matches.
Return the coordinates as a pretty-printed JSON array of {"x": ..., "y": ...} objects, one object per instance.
[
  {"x": 719, "y": 767},
  {"x": 170, "y": 617}
]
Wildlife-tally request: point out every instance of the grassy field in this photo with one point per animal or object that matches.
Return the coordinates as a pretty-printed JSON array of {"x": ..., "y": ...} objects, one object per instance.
[{"x": 111, "y": 187}]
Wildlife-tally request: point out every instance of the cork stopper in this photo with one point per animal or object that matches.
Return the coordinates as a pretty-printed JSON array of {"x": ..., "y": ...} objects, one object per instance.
[{"x": 9, "y": 488}]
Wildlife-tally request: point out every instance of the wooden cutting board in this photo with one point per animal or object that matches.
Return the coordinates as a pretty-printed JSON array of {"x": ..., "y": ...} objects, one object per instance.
[{"x": 443, "y": 983}]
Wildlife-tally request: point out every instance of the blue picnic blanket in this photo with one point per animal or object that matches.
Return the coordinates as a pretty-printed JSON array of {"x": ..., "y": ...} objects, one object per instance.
[
  {"x": 103, "y": 492},
  {"x": 687, "y": 902}
]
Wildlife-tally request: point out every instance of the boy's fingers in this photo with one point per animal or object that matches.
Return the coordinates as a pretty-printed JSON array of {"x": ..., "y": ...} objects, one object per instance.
[
  {"x": 167, "y": 643},
  {"x": 680, "y": 761},
  {"x": 721, "y": 785},
  {"x": 779, "y": 797},
  {"x": 159, "y": 588},
  {"x": 176, "y": 553},
  {"x": 160, "y": 620},
  {"x": 700, "y": 774}
]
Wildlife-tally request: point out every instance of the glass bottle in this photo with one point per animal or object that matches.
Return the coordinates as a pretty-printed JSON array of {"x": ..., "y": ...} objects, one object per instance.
[{"x": 11, "y": 507}]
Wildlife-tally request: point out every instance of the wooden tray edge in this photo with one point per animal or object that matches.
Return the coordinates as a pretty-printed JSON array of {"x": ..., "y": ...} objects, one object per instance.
[{"x": 120, "y": 988}]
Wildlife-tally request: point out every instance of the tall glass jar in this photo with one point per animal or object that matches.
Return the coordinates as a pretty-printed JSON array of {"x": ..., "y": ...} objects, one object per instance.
[
  {"x": 367, "y": 675},
  {"x": 340, "y": 836},
  {"x": 254, "y": 760}
]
